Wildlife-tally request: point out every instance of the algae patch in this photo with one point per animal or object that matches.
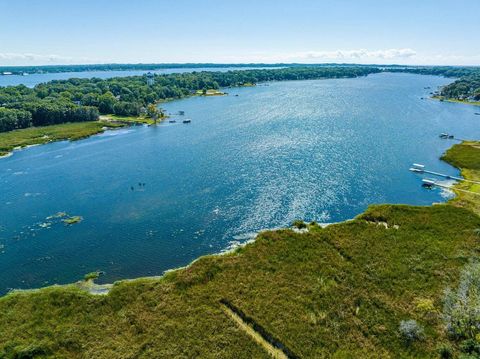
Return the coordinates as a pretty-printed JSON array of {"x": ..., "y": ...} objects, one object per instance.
[{"x": 72, "y": 220}]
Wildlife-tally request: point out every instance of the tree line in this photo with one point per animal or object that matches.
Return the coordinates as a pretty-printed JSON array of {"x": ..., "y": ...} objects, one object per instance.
[
  {"x": 465, "y": 88},
  {"x": 76, "y": 100}
]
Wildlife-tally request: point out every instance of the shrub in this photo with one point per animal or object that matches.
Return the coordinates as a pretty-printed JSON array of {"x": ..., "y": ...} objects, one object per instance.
[
  {"x": 461, "y": 309},
  {"x": 445, "y": 351},
  {"x": 91, "y": 276},
  {"x": 298, "y": 223},
  {"x": 425, "y": 306},
  {"x": 471, "y": 346},
  {"x": 410, "y": 330}
]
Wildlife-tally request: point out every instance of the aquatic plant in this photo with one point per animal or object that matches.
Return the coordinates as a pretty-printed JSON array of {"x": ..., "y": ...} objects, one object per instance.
[
  {"x": 91, "y": 276},
  {"x": 72, "y": 220}
]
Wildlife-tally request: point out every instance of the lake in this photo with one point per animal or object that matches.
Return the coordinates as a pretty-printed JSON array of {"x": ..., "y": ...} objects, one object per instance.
[
  {"x": 35, "y": 79},
  {"x": 155, "y": 198}
]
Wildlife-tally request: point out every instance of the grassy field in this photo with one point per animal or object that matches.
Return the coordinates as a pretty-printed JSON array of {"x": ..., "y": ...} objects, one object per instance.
[
  {"x": 41, "y": 135},
  {"x": 466, "y": 156},
  {"x": 340, "y": 291},
  {"x": 337, "y": 292}
]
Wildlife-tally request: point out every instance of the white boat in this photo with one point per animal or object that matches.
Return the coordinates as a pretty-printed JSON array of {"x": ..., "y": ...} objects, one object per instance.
[{"x": 428, "y": 183}]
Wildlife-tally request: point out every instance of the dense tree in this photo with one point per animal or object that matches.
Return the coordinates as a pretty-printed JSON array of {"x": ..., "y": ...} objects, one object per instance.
[
  {"x": 465, "y": 88},
  {"x": 12, "y": 119},
  {"x": 77, "y": 99},
  {"x": 83, "y": 99}
]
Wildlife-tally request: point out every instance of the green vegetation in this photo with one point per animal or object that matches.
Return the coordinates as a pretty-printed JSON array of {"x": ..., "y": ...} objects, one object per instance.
[
  {"x": 20, "y": 70},
  {"x": 72, "y": 220},
  {"x": 91, "y": 276},
  {"x": 79, "y": 100},
  {"x": 466, "y": 156},
  {"x": 11, "y": 119},
  {"x": 396, "y": 282},
  {"x": 454, "y": 100},
  {"x": 128, "y": 120},
  {"x": 40, "y": 135},
  {"x": 466, "y": 89},
  {"x": 354, "y": 289},
  {"x": 299, "y": 224},
  {"x": 343, "y": 290},
  {"x": 206, "y": 92}
]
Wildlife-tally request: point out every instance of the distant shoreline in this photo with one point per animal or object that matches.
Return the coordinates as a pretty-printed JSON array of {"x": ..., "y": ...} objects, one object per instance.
[{"x": 452, "y": 100}]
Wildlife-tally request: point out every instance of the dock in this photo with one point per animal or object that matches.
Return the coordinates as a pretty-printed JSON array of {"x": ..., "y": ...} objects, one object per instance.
[{"x": 418, "y": 168}]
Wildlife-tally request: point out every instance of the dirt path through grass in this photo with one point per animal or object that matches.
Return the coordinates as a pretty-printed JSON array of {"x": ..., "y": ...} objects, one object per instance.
[{"x": 257, "y": 337}]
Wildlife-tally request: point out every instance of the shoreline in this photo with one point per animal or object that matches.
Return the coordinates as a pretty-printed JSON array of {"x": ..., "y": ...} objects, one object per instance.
[
  {"x": 87, "y": 285},
  {"x": 390, "y": 264},
  {"x": 90, "y": 286},
  {"x": 452, "y": 100},
  {"x": 114, "y": 121},
  {"x": 21, "y": 139}
]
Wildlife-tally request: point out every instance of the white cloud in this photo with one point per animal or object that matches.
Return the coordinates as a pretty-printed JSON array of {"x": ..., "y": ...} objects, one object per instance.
[
  {"x": 12, "y": 59},
  {"x": 349, "y": 56},
  {"x": 405, "y": 56},
  {"x": 356, "y": 54}
]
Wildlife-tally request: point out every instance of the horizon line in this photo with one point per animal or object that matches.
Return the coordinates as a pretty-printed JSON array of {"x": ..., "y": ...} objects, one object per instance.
[{"x": 240, "y": 64}]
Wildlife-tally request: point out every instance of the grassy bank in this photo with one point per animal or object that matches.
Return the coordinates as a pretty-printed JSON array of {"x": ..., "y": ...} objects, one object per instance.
[
  {"x": 466, "y": 156},
  {"x": 128, "y": 119},
  {"x": 41, "y": 135},
  {"x": 454, "y": 100},
  {"x": 209, "y": 93},
  {"x": 340, "y": 292}
]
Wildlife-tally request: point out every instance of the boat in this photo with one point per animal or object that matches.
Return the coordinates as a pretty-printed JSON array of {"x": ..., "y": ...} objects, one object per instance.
[
  {"x": 187, "y": 120},
  {"x": 428, "y": 183},
  {"x": 446, "y": 135},
  {"x": 417, "y": 168},
  {"x": 413, "y": 169},
  {"x": 172, "y": 121},
  {"x": 477, "y": 113}
]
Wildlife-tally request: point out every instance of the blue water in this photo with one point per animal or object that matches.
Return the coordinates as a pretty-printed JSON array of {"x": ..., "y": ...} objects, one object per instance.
[
  {"x": 318, "y": 150},
  {"x": 35, "y": 79}
]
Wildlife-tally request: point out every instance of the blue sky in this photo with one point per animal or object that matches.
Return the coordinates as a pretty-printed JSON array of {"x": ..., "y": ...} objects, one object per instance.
[{"x": 314, "y": 31}]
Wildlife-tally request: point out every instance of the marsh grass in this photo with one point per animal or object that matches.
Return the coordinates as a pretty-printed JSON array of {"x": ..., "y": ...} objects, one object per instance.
[
  {"x": 341, "y": 290},
  {"x": 41, "y": 135},
  {"x": 466, "y": 156}
]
